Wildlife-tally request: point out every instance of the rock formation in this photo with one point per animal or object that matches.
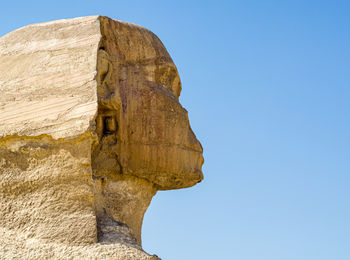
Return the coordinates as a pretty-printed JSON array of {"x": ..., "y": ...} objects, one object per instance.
[{"x": 90, "y": 128}]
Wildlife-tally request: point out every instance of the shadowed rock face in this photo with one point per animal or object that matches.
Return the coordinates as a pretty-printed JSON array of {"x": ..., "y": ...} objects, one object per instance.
[{"x": 91, "y": 127}]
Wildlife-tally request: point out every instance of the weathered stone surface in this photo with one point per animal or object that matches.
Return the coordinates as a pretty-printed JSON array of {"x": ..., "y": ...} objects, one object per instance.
[
  {"x": 91, "y": 127},
  {"x": 47, "y": 78}
]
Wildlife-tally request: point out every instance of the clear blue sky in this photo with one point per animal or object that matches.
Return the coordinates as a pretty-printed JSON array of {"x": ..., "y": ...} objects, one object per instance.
[{"x": 267, "y": 87}]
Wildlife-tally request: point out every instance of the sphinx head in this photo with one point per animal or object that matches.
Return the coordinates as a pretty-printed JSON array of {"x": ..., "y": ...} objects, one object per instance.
[{"x": 144, "y": 132}]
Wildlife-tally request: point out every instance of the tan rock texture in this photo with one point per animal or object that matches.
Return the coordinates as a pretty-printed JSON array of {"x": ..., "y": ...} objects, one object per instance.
[{"x": 90, "y": 128}]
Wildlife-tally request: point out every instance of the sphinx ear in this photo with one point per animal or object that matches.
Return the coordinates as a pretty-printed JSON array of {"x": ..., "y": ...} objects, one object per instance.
[
  {"x": 107, "y": 89},
  {"x": 103, "y": 67},
  {"x": 109, "y": 102}
]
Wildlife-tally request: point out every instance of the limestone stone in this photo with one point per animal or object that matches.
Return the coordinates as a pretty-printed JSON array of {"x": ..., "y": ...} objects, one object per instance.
[{"x": 90, "y": 129}]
